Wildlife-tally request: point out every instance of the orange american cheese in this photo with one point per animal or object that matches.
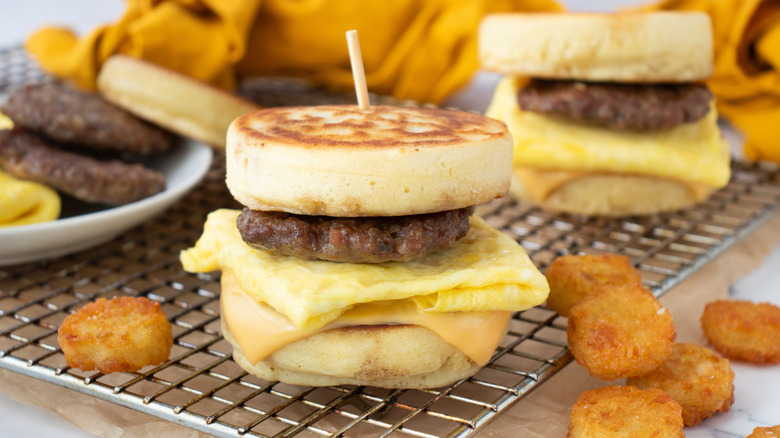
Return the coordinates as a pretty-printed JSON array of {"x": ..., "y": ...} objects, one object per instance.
[{"x": 260, "y": 330}]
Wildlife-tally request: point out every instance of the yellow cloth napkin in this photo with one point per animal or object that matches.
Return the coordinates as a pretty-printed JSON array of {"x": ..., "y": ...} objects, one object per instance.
[
  {"x": 416, "y": 49},
  {"x": 202, "y": 38},
  {"x": 746, "y": 82}
]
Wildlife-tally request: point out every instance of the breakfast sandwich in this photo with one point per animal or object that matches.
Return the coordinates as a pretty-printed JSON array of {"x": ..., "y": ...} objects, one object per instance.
[
  {"x": 357, "y": 258},
  {"x": 609, "y": 112}
]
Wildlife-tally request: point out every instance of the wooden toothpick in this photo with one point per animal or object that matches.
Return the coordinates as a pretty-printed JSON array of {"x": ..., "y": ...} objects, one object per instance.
[{"x": 358, "y": 73}]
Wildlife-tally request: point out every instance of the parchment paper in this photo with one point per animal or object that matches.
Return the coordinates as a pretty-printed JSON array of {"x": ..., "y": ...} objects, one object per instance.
[{"x": 544, "y": 413}]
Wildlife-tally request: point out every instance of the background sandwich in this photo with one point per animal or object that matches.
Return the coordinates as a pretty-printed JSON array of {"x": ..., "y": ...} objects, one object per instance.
[
  {"x": 608, "y": 112},
  {"x": 357, "y": 259}
]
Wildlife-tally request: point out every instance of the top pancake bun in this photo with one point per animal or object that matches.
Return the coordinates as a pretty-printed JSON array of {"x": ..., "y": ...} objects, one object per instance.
[
  {"x": 343, "y": 161},
  {"x": 624, "y": 47}
]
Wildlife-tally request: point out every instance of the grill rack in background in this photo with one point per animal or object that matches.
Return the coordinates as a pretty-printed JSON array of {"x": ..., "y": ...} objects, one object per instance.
[{"x": 202, "y": 388}]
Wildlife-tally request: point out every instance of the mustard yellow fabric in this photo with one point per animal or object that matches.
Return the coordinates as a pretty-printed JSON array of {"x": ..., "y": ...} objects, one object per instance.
[
  {"x": 202, "y": 38},
  {"x": 746, "y": 82},
  {"x": 415, "y": 49}
]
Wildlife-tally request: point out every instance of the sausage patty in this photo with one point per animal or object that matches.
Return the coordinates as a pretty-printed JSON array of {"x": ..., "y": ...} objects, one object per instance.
[
  {"x": 67, "y": 115},
  {"x": 635, "y": 107},
  {"x": 30, "y": 157},
  {"x": 354, "y": 240}
]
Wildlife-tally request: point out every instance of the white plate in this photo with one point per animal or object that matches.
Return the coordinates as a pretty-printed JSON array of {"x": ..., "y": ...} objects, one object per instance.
[{"x": 84, "y": 226}]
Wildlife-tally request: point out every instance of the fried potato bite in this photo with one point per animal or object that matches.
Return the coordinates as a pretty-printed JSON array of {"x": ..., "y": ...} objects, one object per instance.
[
  {"x": 743, "y": 330},
  {"x": 697, "y": 378},
  {"x": 765, "y": 432},
  {"x": 620, "y": 332},
  {"x": 122, "y": 334},
  {"x": 572, "y": 277},
  {"x": 625, "y": 411}
]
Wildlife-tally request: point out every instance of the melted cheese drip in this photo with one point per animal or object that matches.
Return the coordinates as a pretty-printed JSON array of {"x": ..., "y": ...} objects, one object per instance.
[
  {"x": 484, "y": 271},
  {"x": 542, "y": 183},
  {"x": 694, "y": 152},
  {"x": 260, "y": 330}
]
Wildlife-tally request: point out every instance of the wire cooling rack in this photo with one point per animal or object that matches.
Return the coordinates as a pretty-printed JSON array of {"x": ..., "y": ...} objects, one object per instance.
[{"x": 202, "y": 388}]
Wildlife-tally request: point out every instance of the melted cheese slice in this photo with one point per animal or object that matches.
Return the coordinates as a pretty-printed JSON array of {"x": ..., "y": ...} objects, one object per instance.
[
  {"x": 483, "y": 271},
  {"x": 260, "y": 330},
  {"x": 694, "y": 152}
]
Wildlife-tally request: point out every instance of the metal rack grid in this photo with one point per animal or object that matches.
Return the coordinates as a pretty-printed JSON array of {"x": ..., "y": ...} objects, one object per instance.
[{"x": 201, "y": 387}]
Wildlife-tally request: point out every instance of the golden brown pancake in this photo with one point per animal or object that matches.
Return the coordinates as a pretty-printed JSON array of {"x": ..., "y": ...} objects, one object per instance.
[
  {"x": 182, "y": 104},
  {"x": 344, "y": 161}
]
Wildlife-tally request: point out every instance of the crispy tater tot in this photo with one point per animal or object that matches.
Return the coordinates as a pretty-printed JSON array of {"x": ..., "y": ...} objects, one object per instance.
[
  {"x": 122, "y": 334},
  {"x": 765, "y": 432},
  {"x": 697, "y": 378},
  {"x": 743, "y": 330},
  {"x": 620, "y": 332},
  {"x": 572, "y": 277},
  {"x": 625, "y": 411}
]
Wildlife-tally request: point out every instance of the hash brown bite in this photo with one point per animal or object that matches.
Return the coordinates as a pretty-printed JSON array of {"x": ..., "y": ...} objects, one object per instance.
[
  {"x": 571, "y": 277},
  {"x": 743, "y": 330},
  {"x": 765, "y": 432},
  {"x": 698, "y": 378},
  {"x": 620, "y": 332},
  {"x": 121, "y": 334},
  {"x": 625, "y": 411}
]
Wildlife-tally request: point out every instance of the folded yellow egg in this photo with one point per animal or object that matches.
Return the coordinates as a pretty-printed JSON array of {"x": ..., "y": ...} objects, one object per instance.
[
  {"x": 485, "y": 270},
  {"x": 693, "y": 153},
  {"x": 26, "y": 202},
  {"x": 5, "y": 122}
]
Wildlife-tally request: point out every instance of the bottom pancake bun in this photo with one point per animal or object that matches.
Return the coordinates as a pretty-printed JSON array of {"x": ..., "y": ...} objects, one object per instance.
[
  {"x": 386, "y": 356},
  {"x": 616, "y": 195}
]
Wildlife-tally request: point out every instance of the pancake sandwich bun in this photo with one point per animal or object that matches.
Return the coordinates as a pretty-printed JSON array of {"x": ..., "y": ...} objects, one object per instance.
[
  {"x": 609, "y": 112},
  {"x": 172, "y": 100},
  {"x": 357, "y": 258}
]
